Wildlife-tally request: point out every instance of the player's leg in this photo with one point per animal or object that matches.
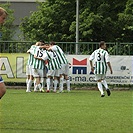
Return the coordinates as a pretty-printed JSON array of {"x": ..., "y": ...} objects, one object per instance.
[
  {"x": 28, "y": 77},
  {"x": 67, "y": 83},
  {"x": 55, "y": 83},
  {"x": 105, "y": 85},
  {"x": 41, "y": 84},
  {"x": 2, "y": 88},
  {"x": 48, "y": 83},
  {"x": 44, "y": 77},
  {"x": 99, "y": 84},
  {"x": 56, "y": 77},
  {"x": 50, "y": 74},
  {"x": 29, "y": 84},
  {"x": 61, "y": 81},
  {"x": 27, "y": 74},
  {"x": 34, "y": 82},
  {"x": 51, "y": 84},
  {"x": 38, "y": 85},
  {"x": 31, "y": 78},
  {"x": 66, "y": 73},
  {"x": 100, "y": 87},
  {"x": 37, "y": 79},
  {"x": 39, "y": 75}
]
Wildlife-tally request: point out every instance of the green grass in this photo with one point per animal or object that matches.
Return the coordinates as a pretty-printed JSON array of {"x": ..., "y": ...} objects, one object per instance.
[{"x": 81, "y": 111}]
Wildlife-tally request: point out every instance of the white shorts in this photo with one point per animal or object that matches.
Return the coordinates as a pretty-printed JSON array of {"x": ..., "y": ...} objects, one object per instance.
[
  {"x": 29, "y": 70},
  {"x": 38, "y": 73},
  {"x": 99, "y": 76},
  {"x": 64, "y": 69},
  {"x": 53, "y": 73}
]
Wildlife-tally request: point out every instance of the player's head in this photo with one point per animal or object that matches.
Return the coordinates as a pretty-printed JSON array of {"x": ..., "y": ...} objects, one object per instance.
[
  {"x": 52, "y": 43},
  {"x": 3, "y": 15},
  {"x": 42, "y": 42},
  {"x": 38, "y": 43},
  {"x": 102, "y": 45}
]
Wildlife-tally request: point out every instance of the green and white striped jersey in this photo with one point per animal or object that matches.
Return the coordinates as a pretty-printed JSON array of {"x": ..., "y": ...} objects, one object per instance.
[
  {"x": 100, "y": 57},
  {"x": 37, "y": 63},
  {"x": 60, "y": 54},
  {"x": 31, "y": 56},
  {"x": 53, "y": 62},
  {"x": 30, "y": 59}
]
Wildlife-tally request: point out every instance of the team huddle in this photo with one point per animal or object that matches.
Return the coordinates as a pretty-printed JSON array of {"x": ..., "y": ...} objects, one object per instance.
[{"x": 47, "y": 61}]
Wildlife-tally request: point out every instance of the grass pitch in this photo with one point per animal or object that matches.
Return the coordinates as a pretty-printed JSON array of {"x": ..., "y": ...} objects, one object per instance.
[{"x": 80, "y": 111}]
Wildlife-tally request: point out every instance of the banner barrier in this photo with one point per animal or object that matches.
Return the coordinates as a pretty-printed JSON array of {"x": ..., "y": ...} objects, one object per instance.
[{"x": 13, "y": 68}]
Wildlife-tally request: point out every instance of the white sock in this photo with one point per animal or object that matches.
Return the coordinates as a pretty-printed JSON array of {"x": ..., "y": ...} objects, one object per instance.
[
  {"x": 105, "y": 84},
  {"x": 42, "y": 82},
  {"x": 61, "y": 83},
  {"x": 27, "y": 81},
  {"x": 100, "y": 87},
  {"x": 39, "y": 86},
  {"x": 36, "y": 87},
  {"x": 48, "y": 83},
  {"x": 51, "y": 83},
  {"x": 68, "y": 84},
  {"x": 29, "y": 85},
  {"x": 55, "y": 84},
  {"x": 34, "y": 82}
]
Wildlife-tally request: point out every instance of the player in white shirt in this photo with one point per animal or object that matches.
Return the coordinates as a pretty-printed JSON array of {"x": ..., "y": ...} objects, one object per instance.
[
  {"x": 38, "y": 68},
  {"x": 101, "y": 61},
  {"x": 53, "y": 65},
  {"x": 64, "y": 71},
  {"x": 29, "y": 71}
]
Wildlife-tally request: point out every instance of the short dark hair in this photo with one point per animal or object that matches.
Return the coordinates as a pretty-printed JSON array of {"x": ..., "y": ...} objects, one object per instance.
[
  {"x": 101, "y": 43},
  {"x": 42, "y": 41},
  {"x": 52, "y": 43}
]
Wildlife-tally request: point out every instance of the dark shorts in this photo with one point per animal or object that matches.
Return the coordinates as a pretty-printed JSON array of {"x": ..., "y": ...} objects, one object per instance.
[{"x": 1, "y": 80}]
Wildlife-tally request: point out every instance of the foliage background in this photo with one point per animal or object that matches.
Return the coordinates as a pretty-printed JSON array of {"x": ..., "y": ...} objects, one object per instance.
[{"x": 99, "y": 20}]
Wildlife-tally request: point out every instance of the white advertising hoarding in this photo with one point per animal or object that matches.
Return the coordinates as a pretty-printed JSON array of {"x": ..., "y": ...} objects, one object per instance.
[
  {"x": 80, "y": 71},
  {"x": 13, "y": 69}
]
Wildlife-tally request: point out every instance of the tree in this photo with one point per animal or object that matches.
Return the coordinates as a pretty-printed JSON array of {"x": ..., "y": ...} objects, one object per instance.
[
  {"x": 50, "y": 22},
  {"x": 99, "y": 20},
  {"x": 126, "y": 20},
  {"x": 6, "y": 30}
]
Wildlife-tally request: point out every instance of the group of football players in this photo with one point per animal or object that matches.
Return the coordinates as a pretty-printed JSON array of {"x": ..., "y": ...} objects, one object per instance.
[{"x": 47, "y": 61}]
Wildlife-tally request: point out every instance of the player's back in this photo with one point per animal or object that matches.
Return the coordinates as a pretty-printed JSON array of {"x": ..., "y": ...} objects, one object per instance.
[
  {"x": 53, "y": 63},
  {"x": 31, "y": 55},
  {"x": 101, "y": 59},
  {"x": 38, "y": 64},
  {"x": 100, "y": 55}
]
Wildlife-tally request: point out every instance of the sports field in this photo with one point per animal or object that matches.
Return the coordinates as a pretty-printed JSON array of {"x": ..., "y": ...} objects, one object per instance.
[{"x": 80, "y": 111}]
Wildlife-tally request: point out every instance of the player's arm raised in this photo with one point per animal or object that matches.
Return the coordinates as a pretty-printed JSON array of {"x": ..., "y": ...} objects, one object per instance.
[{"x": 46, "y": 46}]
